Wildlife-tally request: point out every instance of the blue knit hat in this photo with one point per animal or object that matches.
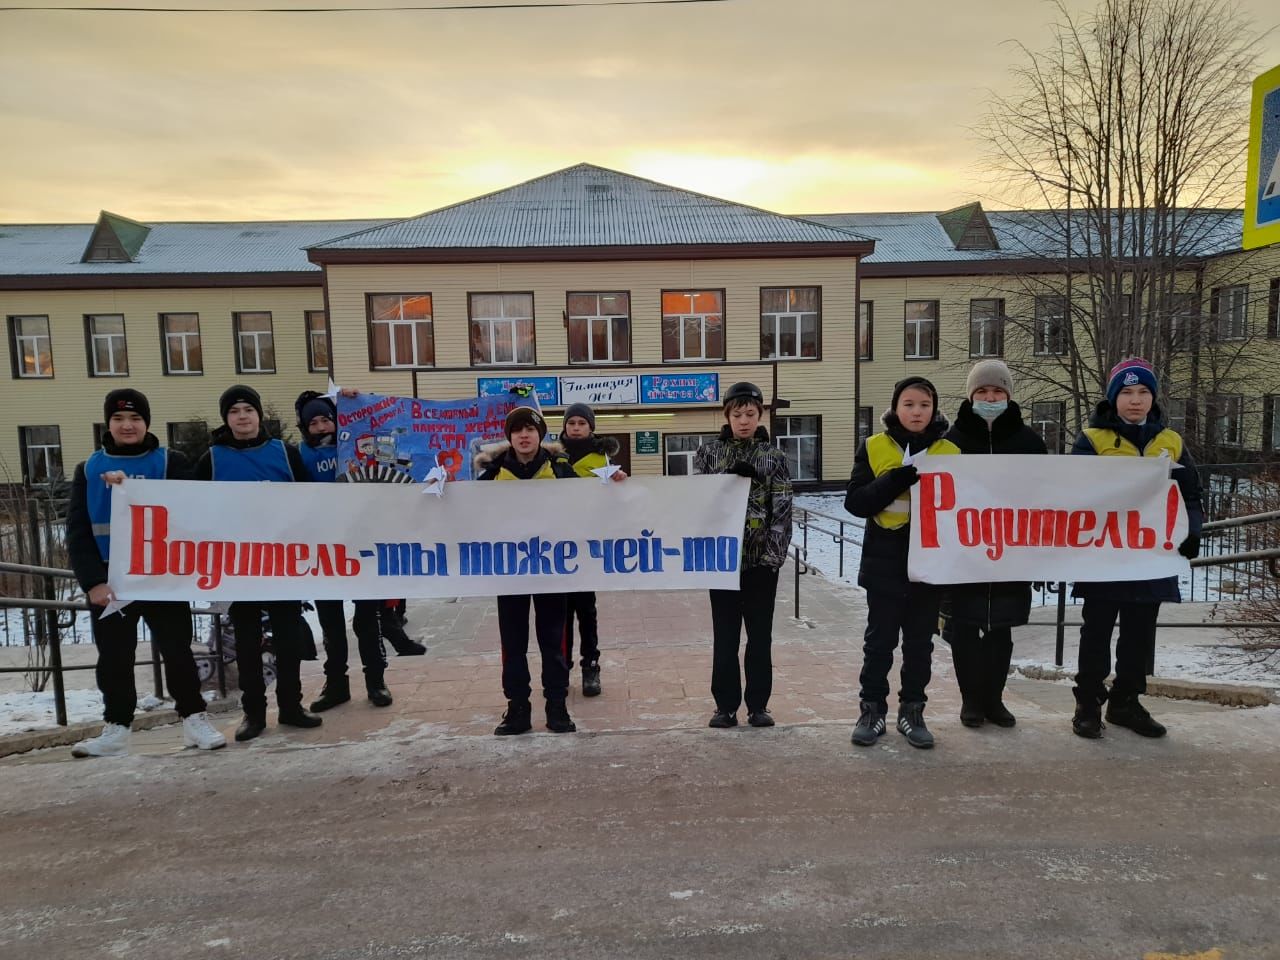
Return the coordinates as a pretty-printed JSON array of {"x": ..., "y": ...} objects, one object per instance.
[{"x": 1130, "y": 372}]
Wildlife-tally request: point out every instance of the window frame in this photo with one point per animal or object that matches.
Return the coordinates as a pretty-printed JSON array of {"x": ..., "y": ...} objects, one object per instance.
[
  {"x": 16, "y": 338},
  {"x": 1059, "y": 421},
  {"x": 867, "y": 327},
  {"x": 667, "y": 453},
  {"x": 391, "y": 342},
  {"x": 816, "y": 436},
  {"x": 999, "y": 321},
  {"x": 515, "y": 349},
  {"x": 724, "y": 325},
  {"x": 859, "y": 436},
  {"x": 185, "y": 337},
  {"x": 24, "y": 442},
  {"x": 569, "y": 318},
  {"x": 1273, "y": 308},
  {"x": 1240, "y": 290},
  {"x": 1214, "y": 413},
  {"x": 1270, "y": 422},
  {"x": 90, "y": 342},
  {"x": 1040, "y": 346},
  {"x": 238, "y": 334},
  {"x": 311, "y": 338},
  {"x": 916, "y": 323},
  {"x": 799, "y": 320}
]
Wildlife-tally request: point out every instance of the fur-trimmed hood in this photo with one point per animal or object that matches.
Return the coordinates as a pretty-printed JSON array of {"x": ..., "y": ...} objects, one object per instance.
[{"x": 491, "y": 454}]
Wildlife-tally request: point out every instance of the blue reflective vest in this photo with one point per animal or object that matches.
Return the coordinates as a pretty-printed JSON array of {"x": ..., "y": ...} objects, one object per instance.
[
  {"x": 268, "y": 461},
  {"x": 152, "y": 465},
  {"x": 321, "y": 462}
]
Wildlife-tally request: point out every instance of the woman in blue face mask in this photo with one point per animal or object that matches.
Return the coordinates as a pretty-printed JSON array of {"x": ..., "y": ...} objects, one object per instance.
[{"x": 979, "y": 617}]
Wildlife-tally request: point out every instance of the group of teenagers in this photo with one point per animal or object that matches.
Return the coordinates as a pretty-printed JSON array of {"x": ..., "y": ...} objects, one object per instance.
[{"x": 976, "y": 620}]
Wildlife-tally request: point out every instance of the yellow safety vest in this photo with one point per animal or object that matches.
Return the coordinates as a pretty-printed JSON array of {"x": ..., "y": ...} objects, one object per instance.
[
  {"x": 884, "y": 454},
  {"x": 1108, "y": 443},
  {"x": 592, "y": 461},
  {"x": 545, "y": 472}
]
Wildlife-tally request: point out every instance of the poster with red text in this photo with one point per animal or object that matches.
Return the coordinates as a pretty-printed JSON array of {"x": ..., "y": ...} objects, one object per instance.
[{"x": 1080, "y": 519}]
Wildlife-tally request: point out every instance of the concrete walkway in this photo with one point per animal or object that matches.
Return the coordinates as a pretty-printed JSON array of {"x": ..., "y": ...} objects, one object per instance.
[{"x": 413, "y": 832}]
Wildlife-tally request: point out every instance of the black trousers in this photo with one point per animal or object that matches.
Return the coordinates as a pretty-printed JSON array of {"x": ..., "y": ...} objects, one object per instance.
[
  {"x": 513, "y": 628},
  {"x": 751, "y": 606},
  {"x": 286, "y": 641},
  {"x": 1134, "y": 648},
  {"x": 333, "y": 624},
  {"x": 582, "y": 605},
  {"x": 981, "y": 659},
  {"x": 116, "y": 637},
  {"x": 914, "y": 617}
]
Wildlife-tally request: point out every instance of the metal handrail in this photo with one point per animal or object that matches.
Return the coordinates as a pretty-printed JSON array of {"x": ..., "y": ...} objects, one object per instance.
[
  {"x": 34, "y": 571},
  {"x": 1244, "y": 521}
]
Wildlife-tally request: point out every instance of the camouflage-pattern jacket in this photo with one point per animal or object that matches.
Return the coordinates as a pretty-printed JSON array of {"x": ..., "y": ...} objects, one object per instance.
[{"x": 768, "y": 533}]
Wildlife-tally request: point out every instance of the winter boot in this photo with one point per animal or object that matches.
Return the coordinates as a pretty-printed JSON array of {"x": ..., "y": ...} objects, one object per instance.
[
  {"x": 870, "y": 726},
  {"x": 251, "y": 727},
  {"x": 911, "y": 725},
  {"x": 972, "y": 714},
  {"x": 393, "y": 632},
  {"x": 379, "y": 695},
  {"x": 723, "y": 719},
  {"x": 999, "y": 657},
  {"x": 1124, "y": 710},
  {"x": 760, "y": 718},
  {"x": 113, "y": 741},
  {"x": 198, "y": 732},
  {"x": 999, "y": 714},
  {"x": 591, "y": 680},
  {"x": 1087, "y": 721},
  {"x": 517, "y": 719},
  {"x": 336, "y": 690},
  {"x": 558, "y": 720},
  {"x": 297, "y": 717}
]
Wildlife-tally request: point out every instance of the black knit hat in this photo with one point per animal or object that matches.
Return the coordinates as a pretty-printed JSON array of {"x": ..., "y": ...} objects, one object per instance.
[
  {"x": 919, "y": 383},
  {"x": 320, "y": 406},
  {"x": 580, "y": 410},
  {"x": 125, "y": 400},
  {"x": 525, "y": 417},
  {"x": 239, "y": 394}
]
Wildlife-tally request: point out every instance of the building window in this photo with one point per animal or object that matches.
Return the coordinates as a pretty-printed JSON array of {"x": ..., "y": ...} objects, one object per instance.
[
  {"x": 801, "y": 439},
  {"x": 790, "y": 319},
  {"x": 401, "y": 330},
  {"x": 866, "y": 328},
  {"x": 986, "y": 328},
  {"x": 692, "y": 325},
  {"x": 1231, "y": 313},
  {"x": 599, "y": 327},
  {"x": 680, "y": 448},
  {"x": 317, "y": 341},
  {"x": 1047, "y": 420},
  {"x": 1175, "y": 415},
  {"x": 100, "y": 433},
  {"x": 41, "y": 455},
  {"x": 501, "y": 328},
  {"x": 189, "y": 437},
  {"x": 108, "y": 356},
  {"x": 1273, "y": 309},
  {"x": 182, "y": 353},
  {"x": 1270, "y": 423},
  {"x": 255, "y": 343},
  {"x": 922, "y": 329},
  {"x": 31, "y": 347},
  {"x": 1184, "y": 320},
  {"x": 866, "y": 424},
  {"x": 1224, "y": 423},
  {"x": 1050, "y": 332}
]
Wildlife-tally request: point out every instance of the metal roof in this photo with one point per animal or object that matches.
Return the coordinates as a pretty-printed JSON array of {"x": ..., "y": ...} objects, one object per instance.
[
  {"x": 177, "y": 248},
  {"x": 589, "y": 206}
]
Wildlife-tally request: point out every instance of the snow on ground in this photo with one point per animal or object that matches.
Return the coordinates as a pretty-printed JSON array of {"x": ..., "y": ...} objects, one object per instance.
[{"x": 25, "y": 711}]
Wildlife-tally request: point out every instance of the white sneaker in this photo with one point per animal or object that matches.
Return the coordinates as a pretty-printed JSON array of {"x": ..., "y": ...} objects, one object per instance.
[
  {"x": 197, "y": 731},
  {"x": 113, "y": 741}
]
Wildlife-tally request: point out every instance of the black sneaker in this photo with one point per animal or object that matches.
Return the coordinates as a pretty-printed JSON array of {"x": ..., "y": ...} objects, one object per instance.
[
  {"x": 297, "y": 717},
  {"x": 870, "y": 725},
  {"x": 972, "y": 715},
  {"x": 760, "y": 718},
  {"x": 1126, "y": 711},
  {"x": 999, "y": 714},
  {"x": 251, "y": 727},
  {"x": 336, "y": 690},
  {"x": 723, "y": 719},
  {"x": 517, "y": 719},
  {"x": 591, "y": 680},
  {"x": 911, "y": 725},
  {"x": 1087, "y": 721},
  {"x": 558, "y": 719}
]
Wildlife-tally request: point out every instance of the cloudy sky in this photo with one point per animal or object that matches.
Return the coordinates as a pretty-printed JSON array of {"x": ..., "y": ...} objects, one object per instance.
[{"x": 794, "y": 105}]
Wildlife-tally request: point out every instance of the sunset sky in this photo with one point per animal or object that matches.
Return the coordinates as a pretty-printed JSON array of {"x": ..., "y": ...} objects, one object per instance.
[{"x": 794, "y": 105}]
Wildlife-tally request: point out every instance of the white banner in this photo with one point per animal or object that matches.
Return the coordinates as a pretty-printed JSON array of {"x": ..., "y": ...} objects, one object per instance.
[
  {"x": 183, "y": 540},
  {"x": 599, "y": 391},
  {"x": 1001, "y": 518}
]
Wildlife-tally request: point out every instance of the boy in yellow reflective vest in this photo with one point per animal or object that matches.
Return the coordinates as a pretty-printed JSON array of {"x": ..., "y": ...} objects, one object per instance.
[
  {"x": 1128, "y": 424},
  {"x": 879, "y": 490}
]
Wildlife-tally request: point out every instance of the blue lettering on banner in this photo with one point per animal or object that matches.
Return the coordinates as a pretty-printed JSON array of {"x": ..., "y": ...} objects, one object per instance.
[
  {"x": 547, "y": 389},
  {"x": 680, "y": 388},
  {"x": 539, "y": 557},
  {"x": 411, "y": 560}
]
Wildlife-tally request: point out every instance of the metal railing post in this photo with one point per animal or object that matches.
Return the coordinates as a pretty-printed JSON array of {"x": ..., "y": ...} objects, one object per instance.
[
  {"x": 841, "y": 574},
  {"x": 217, "y": 651},
  {"x": 1062, "y": 624},
  {"x": 47, "y": 623},
  {"x": 797, "y": 586}
]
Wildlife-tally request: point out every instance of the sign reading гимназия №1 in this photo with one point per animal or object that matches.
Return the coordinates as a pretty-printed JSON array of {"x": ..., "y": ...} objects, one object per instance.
[{"x": 183, "y": 540}]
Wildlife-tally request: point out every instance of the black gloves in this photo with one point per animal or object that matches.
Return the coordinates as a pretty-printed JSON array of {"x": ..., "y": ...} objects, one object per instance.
[
  {"x": 907, "y": 476},
  {"x": 1190, "y": 547},
  {"x": 744, "y": 469}
]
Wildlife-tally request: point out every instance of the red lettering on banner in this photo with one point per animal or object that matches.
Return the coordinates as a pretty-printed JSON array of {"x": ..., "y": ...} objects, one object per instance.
[
  {"x": 1110, "y": 531},
  {"x": 969, "y": 527},
  {"x": 182, "y": 558},
  {"x": 937, "y": 492},
  {"x": 346, "y": 566},
  {"x": 324, "y": 563},
  {"x": 1080, "y": 527},
  {"x": 209, "y": 563},
  {"x": 297, "y": 562},
  {"x": 1140, "y": 537},
  {"x": 142, "y": 518}
]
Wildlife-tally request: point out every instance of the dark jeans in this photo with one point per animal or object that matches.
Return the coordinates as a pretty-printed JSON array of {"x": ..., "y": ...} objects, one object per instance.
[
  {"x": 286, "y": 641},
  {"x": 750, "y": 605},
  {"x": 583, "y": 605},
  {"x": 513, "y": 628},
  {"x": 1134, "y": 648},
  {"x": 915, "y": 618},
  {"x": 981, "y": 660},
  {"x": 333, "y": 624},
  {"x": 116, "y": 637}
]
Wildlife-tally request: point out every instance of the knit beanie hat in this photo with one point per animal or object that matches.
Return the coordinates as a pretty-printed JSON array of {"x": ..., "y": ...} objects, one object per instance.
[
  {"x": 919, "y": 383},
  {"x": 525, "y": 417},
  {"x": 988, "y": 373},
  {"x": 317, "y": 407},
  {"x": 1130, "y": 372},
  {"x": 583, "y": 411},
  {"x": 126, "y": 399},
  {"x": 239, "y": 394}
]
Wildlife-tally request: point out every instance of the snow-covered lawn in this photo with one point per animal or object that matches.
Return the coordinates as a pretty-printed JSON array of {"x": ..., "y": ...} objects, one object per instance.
[{"x": 24, "y": 711}]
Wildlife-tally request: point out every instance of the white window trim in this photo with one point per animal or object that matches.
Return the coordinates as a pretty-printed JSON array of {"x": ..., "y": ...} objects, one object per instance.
[
  {"x": 797, "y": 319},
  {"x": 314, "y": 336},
  {"x": 991, "y": 328},
  {"x": 257, "y": 337},
  {"x": 915, "y": 327},
  {"x": 391, "y": 342},
  {"x": 94, "y": 337},
  {"x": 34, "y": 339},
  {"x": 1044, "y": 324},
  {"x": 608, "y": 318},
  {"x": 781, "y": 439},
  {"x": 686, "y": 455},
  {"x": 1239, "y": 313},
  {"x": 43, "y": 450},
  {"x": 184, "y": 336},
  {"x": 492, "y": 324}
]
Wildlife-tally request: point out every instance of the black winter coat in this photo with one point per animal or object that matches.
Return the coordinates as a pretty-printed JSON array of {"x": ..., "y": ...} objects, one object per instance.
[
  {"x": 883, "y": 568},
  {"x": 991, "y": 605}
]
